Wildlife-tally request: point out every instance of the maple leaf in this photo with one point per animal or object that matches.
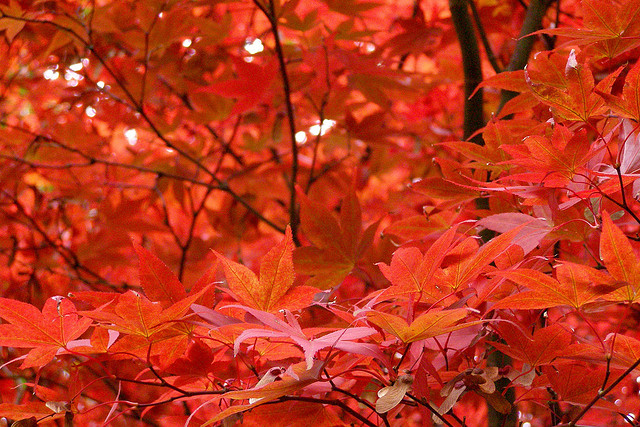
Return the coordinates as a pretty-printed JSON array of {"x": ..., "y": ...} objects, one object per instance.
[
  {"x": 157, "y": 280},
  {"x": 370, "y": 128},
  {"x": 556, "y": 159},
  {"x": 565, "y": 85},
  {"x": 274, "y": 290},
  {"x": 350, "y": 7},
  {"x": 145, "y": 328},
  {"x": 416, "y": 37},
  {"x": 513, "y": 81},
  {"x": 609, "y": 30},
  {"x": 416, "y": 227},
  {"x": 300, "y": 414},
  {"x": 11, "y": 26},
  {"x": 625, "y": 350},
  {"x": 343, "y": 339},
  {"x": 46, "y": 333},
  {"x": 412, "y": 272},
  {"x": 532, "y": 232},
  {"x": 575, "y": 382},
  {"x": 496, "y": 133},
  {"x": 575, "y": 286},
  {"x": 249, "y": 88},
  {"x": 273, "y": 374},
  {"x": 628, "y": 105},
  {"x": 427, "y": 325},
  {"x": 542, "y": 348},
  {"x": 27, "y": 410},
  {"x": 138, "y": 322},
  {"x": 453, "y": 188},
  {"x": 465, "y": 268},
  {"x": 126, "y": 133},
  {"x": 629, "y": 153},
  {"x": 134, "y": 314},
  {"x": 337, "y": 245},
  {"x": 621, "y": 261}
]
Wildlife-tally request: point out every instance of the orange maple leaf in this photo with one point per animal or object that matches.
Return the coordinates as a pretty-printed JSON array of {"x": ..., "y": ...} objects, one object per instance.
[
  {"x": 621, "y": 261},
  {"x": 575, "y": 286},
  {"x": 274, "y": 290},
  {"x": 427, "y": 325}
]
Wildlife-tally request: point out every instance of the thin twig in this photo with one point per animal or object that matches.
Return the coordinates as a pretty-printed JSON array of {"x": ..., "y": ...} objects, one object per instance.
[
  {"x": 433, "y": 410},
  {"x": 483, "y": 36},
  {"x": 293, "y": 209},
  {"x": 356, "y": 398},
  {"x": 135, "y": 106},
  {"x": 69, "y": 257},
  {"x": 603, "y": 393},
  {"x": 333, "y": 402}
]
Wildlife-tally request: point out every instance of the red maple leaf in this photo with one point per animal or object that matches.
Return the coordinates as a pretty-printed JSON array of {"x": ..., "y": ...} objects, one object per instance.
[
  {"x": 249, "y": 88},
  {"x": 274, "y": 289},
  {"x": 46, "y": 333}
]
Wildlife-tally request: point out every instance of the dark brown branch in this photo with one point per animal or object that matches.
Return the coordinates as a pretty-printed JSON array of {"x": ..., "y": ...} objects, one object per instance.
[
  {"x": 360, "y": 400},
  {"x": 483, "y": 36},
  {"x": 472, "y": 67},
  {"x": 532, "y": 23},
  {"x": 293, "y": 209}
]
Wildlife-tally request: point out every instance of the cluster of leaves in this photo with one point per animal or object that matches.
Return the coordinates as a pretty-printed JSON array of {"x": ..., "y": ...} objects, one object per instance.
[{"x": 210, "y": 202}]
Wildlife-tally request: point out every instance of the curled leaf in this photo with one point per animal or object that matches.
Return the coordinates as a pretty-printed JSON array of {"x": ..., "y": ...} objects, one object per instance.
[
  {"x": 272, "y": 375},
  {"x": 58, "y": 407},
  {"x": 452, "y": 397},
  {"x": 480, "y": 381},
  {"x": 389, "y": 397}
]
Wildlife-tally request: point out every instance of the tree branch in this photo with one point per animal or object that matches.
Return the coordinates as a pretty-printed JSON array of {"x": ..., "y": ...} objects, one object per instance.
[
  {"x": 603, "y": 393},
  {"x": 293, "y": 209},
  {"x": 135, "y": 106},
  {"x": 472, "y": 67},
  {"x": 532, "y": 23},
  {"x": 483, "y": 36}
]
